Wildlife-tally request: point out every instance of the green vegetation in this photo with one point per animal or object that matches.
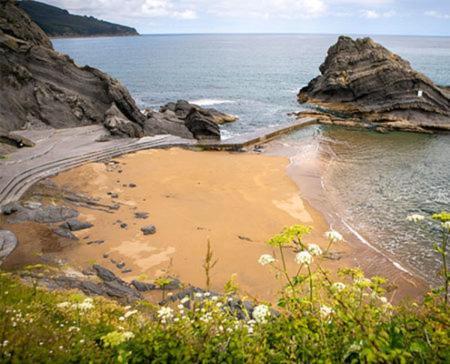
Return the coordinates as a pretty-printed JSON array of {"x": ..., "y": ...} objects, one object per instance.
[
  {"x": 318, "y": 320},
  {"x": 57, "y": 22}
]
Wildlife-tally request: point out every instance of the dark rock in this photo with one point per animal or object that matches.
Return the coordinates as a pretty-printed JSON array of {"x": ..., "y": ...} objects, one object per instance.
[
  {"x": 65, "y": 233},
  {"x": 105, "y": 256},
  {"x": 91, "y": 288},
  {"x": 174, "y": 283},
  {"x": 8, "y": 243},
  {"x": 76, "y": 225},
  {"x": 361, "y": 79},
  {"x": 11, "y": 208},
  {"x": 15, "y": 140},
  {"x": 149, "y": 230},
  {"x": 118, "y": 124},
  {"x": 142, "y": 286},
  {"x": 182, "y": 109},
  {"x": 132, "y": 185},
  {"x": 141, "y": 215},
  {"x": 40, "y": 87},
  {"x": 43, "y": 214},
  {"x": 123, "y": 225},
  {"x": 187, "y": 120},
  {"x": 104, "y": 273},
  {"x": 202, "y": 125},
  {"x": 120, "y": 265},
  {"x": 128, "y": 270},
  {"x": 98, "y": 242},
  {"x": 119, "y": 290},
  {"x": 114, "y": 195}
]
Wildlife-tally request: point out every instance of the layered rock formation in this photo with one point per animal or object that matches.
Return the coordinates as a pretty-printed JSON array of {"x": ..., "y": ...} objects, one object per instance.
[
  {"x": 187, "y": 120},
  {"x": 43, "y": 88},
  {"x": 362, "y": 80}
]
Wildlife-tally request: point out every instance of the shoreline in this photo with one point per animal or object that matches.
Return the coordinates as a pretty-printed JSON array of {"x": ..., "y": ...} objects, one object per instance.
[
  {"x": 307, "y": 171},
  {"x": 230, "y": 249}
]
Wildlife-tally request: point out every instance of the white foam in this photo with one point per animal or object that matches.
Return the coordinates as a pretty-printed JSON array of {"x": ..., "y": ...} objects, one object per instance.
[
  {"x": 209, "y": 102},
  {"x": 364, "y": 241}
]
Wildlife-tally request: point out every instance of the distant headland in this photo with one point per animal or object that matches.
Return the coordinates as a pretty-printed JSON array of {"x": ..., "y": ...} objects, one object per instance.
[{"x": 57, "y": 22}]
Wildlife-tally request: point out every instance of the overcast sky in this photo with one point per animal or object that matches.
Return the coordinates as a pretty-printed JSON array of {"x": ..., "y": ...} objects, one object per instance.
[{"x": 418, "y": 17}]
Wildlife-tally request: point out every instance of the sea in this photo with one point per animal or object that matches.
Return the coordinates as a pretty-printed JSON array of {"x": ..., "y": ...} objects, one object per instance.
[{"x": 373, "y": 180}]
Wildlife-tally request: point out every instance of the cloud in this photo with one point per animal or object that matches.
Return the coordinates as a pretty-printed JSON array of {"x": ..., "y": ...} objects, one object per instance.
[
  {"x": 240, "y": 9},
  {"x": 435, "y": 14},
  {"x": 288, "y": 9},
  {"x": 372, "y": 14},
  {"x": 129, "y": 8}
]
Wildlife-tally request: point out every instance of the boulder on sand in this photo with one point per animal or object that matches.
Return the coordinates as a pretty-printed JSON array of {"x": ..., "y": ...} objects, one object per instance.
[
  {"x": 8, "y": 243},
  {"x": 361, "y": 79}
]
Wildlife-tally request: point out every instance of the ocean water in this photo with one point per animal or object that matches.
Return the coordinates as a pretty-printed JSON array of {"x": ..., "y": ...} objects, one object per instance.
[{"x": 373, "y": 179}]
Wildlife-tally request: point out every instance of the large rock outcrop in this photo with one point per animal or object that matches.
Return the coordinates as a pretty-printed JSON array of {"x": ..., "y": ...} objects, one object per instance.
[
  {"x": 362, "y": 80},
  {"x": 187, "y": 120},
  {"x": 40, "y": 87}
]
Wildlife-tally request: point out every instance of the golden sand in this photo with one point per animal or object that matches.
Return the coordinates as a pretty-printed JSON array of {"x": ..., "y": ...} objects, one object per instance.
[{"x": 236, "y": 200}]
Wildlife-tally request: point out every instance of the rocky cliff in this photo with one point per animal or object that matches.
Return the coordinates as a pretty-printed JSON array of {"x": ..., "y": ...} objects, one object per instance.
[
  {"x": 42, "y": 88},
  {"x": 362, "y": 80}
]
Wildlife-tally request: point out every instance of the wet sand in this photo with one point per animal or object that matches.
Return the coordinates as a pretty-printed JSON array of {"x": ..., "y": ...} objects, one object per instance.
[{"x": 236, "y": 200}]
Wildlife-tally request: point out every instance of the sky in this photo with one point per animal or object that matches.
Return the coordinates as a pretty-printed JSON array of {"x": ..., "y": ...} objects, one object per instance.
[{"x": 403, "y": 17}]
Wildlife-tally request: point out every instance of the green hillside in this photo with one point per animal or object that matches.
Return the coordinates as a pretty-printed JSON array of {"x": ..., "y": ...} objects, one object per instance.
[{"x": 58, "y": 22}]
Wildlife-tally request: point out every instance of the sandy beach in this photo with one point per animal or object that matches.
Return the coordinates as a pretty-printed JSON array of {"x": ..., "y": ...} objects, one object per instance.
[{"x": 236, "y": 200}]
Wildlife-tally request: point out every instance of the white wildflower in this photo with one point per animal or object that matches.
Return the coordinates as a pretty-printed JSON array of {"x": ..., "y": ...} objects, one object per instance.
[
  {"x": 207, "y": 294},
  {"x": 303, "y": 258},
  {"x": 180, "y": 307},
  {"x": 261, "y": 313},
  {"x": 214, "y": 298},
  {"x": 87, "y": 304},
  {"x": 198, "y": 294},
  {"x": 266, "y": 259},
  {"x": 5, "y": 343},
  {"x": 446, "y": 226},
  {"x": 63, "y": 305},
  {"x": 82, "y": 341},
  {"x": 338, "y": 286},
  {"x": 185, "y": 299},
  {"x": 165, "y": 313},
  {"x": 314, "y": 249},
  {"x": 383, "y": 300},
  {"x": 325, "y": 311},
  {"x": 130, "y": 313},
  {"x": 415, "y": 218},
  {"x": 121, "y": 318},
  {"x": 333, "y": 236},
  {"x": 128, "y": 335}
]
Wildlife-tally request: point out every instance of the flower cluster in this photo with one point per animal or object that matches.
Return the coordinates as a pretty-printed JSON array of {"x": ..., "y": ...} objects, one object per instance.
[
  {"x": 415, "y": 218},
  {"x": 333, "y": 236},
  {"x": 261, "y": 313}
]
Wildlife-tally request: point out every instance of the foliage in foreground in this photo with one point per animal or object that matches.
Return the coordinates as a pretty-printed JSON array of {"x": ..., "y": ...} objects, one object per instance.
[{"x": 318, "y": 321}]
